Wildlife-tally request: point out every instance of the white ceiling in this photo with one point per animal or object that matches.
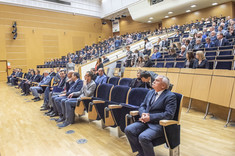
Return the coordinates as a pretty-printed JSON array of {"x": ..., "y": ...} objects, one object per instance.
[{"x": 142, "y": 10}]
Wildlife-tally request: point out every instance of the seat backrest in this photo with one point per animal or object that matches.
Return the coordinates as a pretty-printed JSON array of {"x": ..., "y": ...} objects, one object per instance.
[
  {"x": 103, "y": 91},
  {"x": 225, "y": 47},
  {"x": 224, "y": 57},
  {"x": 224, "y": 65},
  {"x": 211, "y": 64},
  {"x": 125, "y": 81},
  {"x": 209, "y": 49},
  {"x": 211, "y": 53},
  {"x": 179, "y": 65},
  {"x": 179, "y": 98},
  {"x": 160, "y": 65},
  {"x": 169, "y": 65},
  {"x": 136, "y": 96},
  {"x": 229, "y": 52},
  {"x": 114, "y": 80},
  {"x": 119, "y": 94}
]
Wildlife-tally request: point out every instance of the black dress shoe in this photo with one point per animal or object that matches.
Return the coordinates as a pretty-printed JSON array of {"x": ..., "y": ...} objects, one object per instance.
[
  {"x": 61, "y": 119},
  {"x": 50, "y": 113},
  {"x": 34, "y": 98},
  {"x": 53, "y": 115},
  {"x": 37, "y": 99},
  {"x": 44, "y": 109},
  {"x": 47, "y": 113}
]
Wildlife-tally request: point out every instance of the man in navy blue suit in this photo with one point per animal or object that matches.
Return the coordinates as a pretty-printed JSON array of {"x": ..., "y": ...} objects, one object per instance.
[
  {"x": 158, "y": 104},
  {"x": 77, "y": 86},
  {"x": 208, "y": 43},
  {"x": 221, "y": 41}
]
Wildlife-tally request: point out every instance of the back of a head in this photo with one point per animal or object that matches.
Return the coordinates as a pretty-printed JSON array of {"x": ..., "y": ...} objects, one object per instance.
[
  {"x": 145, "y": 74},
  {"x": 77, "y": 75}
]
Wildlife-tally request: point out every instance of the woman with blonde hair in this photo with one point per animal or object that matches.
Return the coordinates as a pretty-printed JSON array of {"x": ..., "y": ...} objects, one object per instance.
[{"x": 201, "y": 61}]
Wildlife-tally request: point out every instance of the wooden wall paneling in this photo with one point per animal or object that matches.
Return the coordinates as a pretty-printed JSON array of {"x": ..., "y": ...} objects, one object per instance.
[
  {"x": 221, "y": 87},
  {"x": 201, "y": 84},
  {"x": 173, "y": 75},
  {"x": 185, "y": 81}
]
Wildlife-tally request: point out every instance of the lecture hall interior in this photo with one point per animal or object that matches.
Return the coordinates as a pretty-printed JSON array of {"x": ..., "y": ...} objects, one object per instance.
[{"x": 117, "y": 77}]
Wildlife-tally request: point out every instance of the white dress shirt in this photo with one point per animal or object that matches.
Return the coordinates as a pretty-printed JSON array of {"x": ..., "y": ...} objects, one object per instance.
[{"x": 148, "y": 46}]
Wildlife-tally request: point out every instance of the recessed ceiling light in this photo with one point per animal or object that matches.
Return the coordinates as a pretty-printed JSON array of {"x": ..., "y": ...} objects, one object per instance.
[
  {"x": 149, "y": 21},
  {"x": 166, "y": 16},
  {"x": 193, "y": 6},
  {"x": 214, "y": 3},
  {"x": 188, "y": 10},
  {"x": 170, "y": 12},
  {"x": 150, "y": 18}
]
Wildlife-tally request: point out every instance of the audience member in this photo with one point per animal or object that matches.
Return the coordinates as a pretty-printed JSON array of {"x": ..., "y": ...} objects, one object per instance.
[
  {"x": 201, "y": 61},
  {"x": 101, "y": 78},
  {"x": 159, "y": 104},
  {"x": 188, "y": 63}
]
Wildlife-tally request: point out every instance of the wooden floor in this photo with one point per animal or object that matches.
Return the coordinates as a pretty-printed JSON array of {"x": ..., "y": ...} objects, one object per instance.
[{"x": 25, "y": 131}]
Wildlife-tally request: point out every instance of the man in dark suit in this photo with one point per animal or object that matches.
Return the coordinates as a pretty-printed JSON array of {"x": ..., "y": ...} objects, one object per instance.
[
  {"x": 12, "y": 75},
  {"x": 159, "y": 104},
  {"x": 35, "y": 77},
  {"x": 69, "y": 104},
  {"x": 221, "y": 41},
  {"x": 208, "y": 43},
  {"x": 77, "y": 86},
  {"x": 68, "y": 83},
  {"x": 14, "y": 79},
  {"x": 59, "y": 88}
]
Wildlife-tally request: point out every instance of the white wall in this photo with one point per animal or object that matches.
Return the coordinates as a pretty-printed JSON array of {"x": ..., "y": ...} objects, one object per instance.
[
  {"x": 112, "y": 6},
  {"x": 83, "y": 7}
]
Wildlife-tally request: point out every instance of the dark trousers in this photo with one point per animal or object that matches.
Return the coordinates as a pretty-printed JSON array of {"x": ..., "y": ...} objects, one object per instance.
[
  {"x": 128, "y": 63},
  {"x": 140, "y": 137},
  {"x": 70, "y": 105},
  {"x": 21, "y": 84},
  {"x": 9, "y": 79},
  {"x": 46, "y": 97},
  {"x": 14, "y": 81},
  {"x": 147, "y": 52},
  {"x": 25, "y": 88},
  {"x": 57, "y": 102}
]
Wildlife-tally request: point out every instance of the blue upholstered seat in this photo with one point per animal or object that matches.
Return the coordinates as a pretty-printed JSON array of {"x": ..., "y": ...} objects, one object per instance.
[
  {"x": 118, "y": 95},
  {"x": 114, "y": 80},
  {"x": 125, "y": 81},
  {"x": 224, "y": 65},
  {"x": 211, "y": 53},
  {"x": 225, "y": 47},
  {"x": 160, "y": 64},
  {"x": 179, "y": 65},
  {"x": 229, "y": 52},
  {"x": 169, "y": 64}
]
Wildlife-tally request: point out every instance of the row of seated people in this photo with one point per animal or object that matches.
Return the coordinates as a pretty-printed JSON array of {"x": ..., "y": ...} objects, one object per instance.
[
  {"x": 64, "y": 104},
  {"x": 70, "y": 90},
  {"x": 100, "y": 49}
]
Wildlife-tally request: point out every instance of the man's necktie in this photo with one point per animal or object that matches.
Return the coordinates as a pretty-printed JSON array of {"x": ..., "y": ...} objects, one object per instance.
[{"x": 153, "y": 98}]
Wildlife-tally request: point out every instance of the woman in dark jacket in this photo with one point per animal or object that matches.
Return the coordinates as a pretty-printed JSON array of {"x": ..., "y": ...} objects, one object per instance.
[
  {"x": 201, "y": 61},
  {"x": 188, "y": 63},
  {"x": 99, "y": 64}
]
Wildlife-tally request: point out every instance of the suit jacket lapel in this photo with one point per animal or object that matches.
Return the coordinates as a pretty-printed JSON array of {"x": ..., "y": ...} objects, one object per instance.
[{"x": 159, "y": 98}]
